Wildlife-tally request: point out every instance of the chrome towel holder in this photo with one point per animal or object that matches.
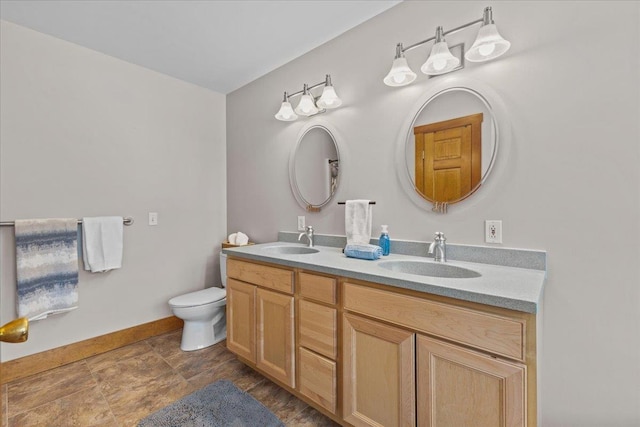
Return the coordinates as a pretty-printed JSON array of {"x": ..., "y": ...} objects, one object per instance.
[{"x": 128, "y": 220}]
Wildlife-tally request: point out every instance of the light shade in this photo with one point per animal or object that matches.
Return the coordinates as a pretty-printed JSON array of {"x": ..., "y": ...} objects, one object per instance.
[
  {"x": 489, "y": 44},
  {"x": 329, "y": 98},
  {"x": 306, "y": 106},
  {"x": 286, "y": 113},
  {"x": 400, "y": 73},
  {"x": 440, "y": 60}
]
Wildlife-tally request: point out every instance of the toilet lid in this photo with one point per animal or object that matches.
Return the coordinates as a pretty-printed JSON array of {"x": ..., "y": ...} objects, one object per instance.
[{"x": 205, "y": 296}]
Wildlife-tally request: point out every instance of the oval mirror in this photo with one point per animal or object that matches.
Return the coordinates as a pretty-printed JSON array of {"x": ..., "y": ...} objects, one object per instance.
[
  {"x": 450, "y": 146},
  {"x": 314, "y": 168}
]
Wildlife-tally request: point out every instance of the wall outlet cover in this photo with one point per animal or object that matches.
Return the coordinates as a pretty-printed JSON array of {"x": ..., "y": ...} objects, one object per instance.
[
  {"x": 493, "y": 231},
  {"x": 301, "y": 223}
]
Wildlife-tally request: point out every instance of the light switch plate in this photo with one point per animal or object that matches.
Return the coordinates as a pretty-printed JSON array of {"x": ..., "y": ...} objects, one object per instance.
[
  {"x": 301, "y": 223},
  {"x": 153, "y": 218}
]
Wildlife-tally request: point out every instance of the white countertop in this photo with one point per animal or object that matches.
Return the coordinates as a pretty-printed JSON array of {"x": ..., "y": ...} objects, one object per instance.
[{"x": 507, "y": 287}]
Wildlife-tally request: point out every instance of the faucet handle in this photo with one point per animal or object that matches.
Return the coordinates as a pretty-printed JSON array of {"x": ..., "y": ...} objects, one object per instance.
[
  {"x": 439, "y": 236},
  {"x": 309, "y": 228}
]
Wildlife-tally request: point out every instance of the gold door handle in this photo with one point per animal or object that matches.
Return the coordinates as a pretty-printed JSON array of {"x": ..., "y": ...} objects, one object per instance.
[{"x": 15, "y": 331}]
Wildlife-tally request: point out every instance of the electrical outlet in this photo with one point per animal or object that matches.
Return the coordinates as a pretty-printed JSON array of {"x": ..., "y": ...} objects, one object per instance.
[
  {"x": 301, "y": 223},
  {"x": 493, "y": 231},
  {"x": 153, "y": 218}
]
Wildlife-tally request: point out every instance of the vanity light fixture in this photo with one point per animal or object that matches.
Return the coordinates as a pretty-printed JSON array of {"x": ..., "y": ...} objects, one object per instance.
[
  {"x": 308, "y": 104},
  {"x": 487, "y": 46}
]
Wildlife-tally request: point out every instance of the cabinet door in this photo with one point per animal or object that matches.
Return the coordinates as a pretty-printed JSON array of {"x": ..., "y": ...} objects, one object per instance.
[
  {"x": 241, "y": 323},
  {"x": 378, "y": 374},
  {"x": 318, "y": 328},
  {"x": 275, "y": 352},
  {"x": 318, "y": 379},
  {"x": 459, "y": 387}
]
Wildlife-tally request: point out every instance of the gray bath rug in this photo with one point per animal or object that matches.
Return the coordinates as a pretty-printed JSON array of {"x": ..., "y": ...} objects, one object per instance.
[{"x": 220, "y": 404}]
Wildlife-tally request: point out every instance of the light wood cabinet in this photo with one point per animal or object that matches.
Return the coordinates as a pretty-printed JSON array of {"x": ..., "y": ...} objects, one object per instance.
[
  {"x": 317, "y": 322},
  {"x": 274, "y": 328},
  {"x": 265, "y": 276},
  {"x": 456, "y": 386},
  {"x": 260, "y": 318},
  {"x": 461, "y": 387},
  {"x": 318, "y": 288},
  {"x": 318, "y": 379},
  {"x": 367, "y": 354},
  {"x": 241, "y": 324},
  {"x": 379, "y": 379},
  {"x": 496, "y": 334}
]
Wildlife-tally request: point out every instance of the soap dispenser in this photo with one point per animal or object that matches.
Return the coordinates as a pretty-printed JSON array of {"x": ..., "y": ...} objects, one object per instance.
[{"x": 384, "y": 241}]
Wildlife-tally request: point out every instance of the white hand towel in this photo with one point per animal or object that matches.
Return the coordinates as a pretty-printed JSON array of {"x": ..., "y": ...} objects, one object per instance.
[
  {"x": 102, "y": 243},
  {"x": 241, "y": 239},
  {"x": 357, "y": 222}
]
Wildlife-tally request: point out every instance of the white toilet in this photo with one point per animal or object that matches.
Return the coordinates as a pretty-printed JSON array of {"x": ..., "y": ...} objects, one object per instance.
[{"x": 203, "y": 312}]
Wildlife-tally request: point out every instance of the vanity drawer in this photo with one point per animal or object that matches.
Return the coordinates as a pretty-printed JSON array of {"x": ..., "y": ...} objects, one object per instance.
[
  {"x": 319, "y": 288},
  {"x": 318, "y": 328},
  {"x": 489, "y": 332},
  {"x": 318, "y": 379},
  {"x": 262, "y": 275}
]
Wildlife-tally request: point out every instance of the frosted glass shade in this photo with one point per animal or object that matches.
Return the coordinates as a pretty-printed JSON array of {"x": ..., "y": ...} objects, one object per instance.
[
  {"x": 306, "y": 107},
  {"x": 488, "y": 45},
  {"x": 286, "y": 113},
  {"x": 400, "y": 73},
  {"x": 329, "y": 98},
  {"x": 440, "y": 60}
]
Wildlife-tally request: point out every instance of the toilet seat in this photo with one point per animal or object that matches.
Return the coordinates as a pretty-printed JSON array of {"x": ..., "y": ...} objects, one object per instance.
[{"x": 197, "y": 298}]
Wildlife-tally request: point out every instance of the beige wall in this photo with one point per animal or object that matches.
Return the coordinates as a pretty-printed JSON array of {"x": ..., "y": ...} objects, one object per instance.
[
  {"x": 85, "y": 134},
  {"x": 566, "y": 181}
]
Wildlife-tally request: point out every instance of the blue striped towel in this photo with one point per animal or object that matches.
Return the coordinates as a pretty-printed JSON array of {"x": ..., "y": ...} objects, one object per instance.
[
  {"x": 371, "y": 252},
  {"x": 46, "y": 266}
]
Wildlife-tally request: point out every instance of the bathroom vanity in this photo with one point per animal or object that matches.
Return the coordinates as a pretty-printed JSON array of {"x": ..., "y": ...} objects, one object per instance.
[{"x": 370, "y": 346}]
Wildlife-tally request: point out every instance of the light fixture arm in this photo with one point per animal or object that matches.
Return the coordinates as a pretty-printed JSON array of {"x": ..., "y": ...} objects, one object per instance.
[
  {"x": 483, "y": 20},
  {"x": 326, "y": 82}
]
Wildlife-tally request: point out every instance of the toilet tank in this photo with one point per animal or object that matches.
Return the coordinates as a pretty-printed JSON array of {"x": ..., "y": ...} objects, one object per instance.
[{"x": 223, "y": 269}]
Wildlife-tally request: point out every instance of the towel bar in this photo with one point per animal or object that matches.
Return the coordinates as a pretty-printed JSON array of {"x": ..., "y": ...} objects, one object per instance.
[
  {"x": 126, "y": 221},
  {"x": 371, "y": 203}
]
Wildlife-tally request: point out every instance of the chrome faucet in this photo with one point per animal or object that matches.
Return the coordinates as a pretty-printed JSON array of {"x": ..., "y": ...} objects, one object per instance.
[
  {"x": 308, "y": 231},
  {"x": 439, "y": 246}
]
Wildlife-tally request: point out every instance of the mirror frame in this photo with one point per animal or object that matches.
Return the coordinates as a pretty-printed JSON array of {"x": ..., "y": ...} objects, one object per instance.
[
  {"x": 499, "y": 123},
  {"x": 309, "y": 207}
]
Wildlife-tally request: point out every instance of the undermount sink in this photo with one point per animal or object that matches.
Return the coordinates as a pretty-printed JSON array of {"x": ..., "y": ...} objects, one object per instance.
[
  {"x": 432, "y": 269},
  {"x": 290, "y": 250}
]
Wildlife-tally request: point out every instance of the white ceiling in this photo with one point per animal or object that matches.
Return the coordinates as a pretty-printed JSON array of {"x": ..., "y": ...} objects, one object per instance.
[{"x": 220, "y": 45}]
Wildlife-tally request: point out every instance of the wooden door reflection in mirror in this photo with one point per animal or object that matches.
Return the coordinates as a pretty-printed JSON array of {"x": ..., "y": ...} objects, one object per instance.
[{"x": 448, "y": 158}]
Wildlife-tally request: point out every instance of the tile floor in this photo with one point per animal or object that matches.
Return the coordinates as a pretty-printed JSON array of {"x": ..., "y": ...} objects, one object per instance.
[{"x": 122, "y": 386}]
